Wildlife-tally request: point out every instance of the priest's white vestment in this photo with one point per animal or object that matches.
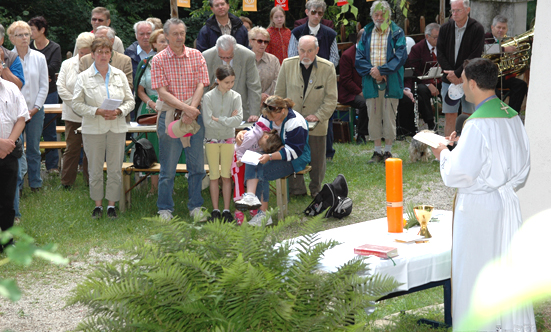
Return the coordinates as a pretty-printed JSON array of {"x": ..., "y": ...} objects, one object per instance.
[{"x": 491, "y": 161}]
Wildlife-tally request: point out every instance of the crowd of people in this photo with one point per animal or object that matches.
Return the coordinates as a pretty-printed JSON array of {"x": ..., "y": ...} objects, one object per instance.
[
  {"x": 297, "y": 65},
  {"x": 280, "y": 80}
]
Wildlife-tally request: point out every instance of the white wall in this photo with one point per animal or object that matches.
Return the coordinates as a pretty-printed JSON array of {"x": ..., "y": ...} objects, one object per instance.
[{"x": 536, "y": 195}]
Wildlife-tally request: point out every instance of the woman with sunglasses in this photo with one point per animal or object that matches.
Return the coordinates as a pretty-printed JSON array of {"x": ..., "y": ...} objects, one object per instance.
[
  {"x": 277, "y": 113},
  {"x": 266, "y": 63}
]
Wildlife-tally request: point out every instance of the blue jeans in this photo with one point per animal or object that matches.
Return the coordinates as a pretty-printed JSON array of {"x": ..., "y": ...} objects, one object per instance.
[
  {"x": 49, "y": 133},
  {"x": 33, "y": 132},
  {"x": 270, "y": 171},
  {"x": 170, "y": 150},
  {"x": 21, "y": 170}
]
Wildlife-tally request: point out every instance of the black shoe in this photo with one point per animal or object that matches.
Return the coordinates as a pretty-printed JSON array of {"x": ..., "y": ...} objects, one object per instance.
[
  {"x": 111, "y": 213},
  {"x": 97, "y": 213},
  {"x": 215, "y": 214},
  {"x": 11, "y": 242},
  {"x": 227, "y": 216},
  {"x": 376, "y": 158},
  {"x": 361, "y": 139},
  {"x": 387, "y": 155}
]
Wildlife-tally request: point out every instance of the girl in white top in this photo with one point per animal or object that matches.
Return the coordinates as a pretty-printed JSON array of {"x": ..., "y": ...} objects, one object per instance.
[{"x": 222, "y": 113}]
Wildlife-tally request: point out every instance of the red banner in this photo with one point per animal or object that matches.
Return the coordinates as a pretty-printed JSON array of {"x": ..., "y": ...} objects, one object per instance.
[
  {"x": 283, "y": 4},
  {"x": 342, "y": 2}
]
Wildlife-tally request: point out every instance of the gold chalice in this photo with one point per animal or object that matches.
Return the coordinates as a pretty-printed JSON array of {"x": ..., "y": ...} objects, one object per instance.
[{"x": 423, "y": 213}]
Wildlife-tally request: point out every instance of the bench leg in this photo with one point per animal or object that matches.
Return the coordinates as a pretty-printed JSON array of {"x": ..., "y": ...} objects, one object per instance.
[
  {"x": 124, "y": 203},
  {"x": 281, "y": 193}
]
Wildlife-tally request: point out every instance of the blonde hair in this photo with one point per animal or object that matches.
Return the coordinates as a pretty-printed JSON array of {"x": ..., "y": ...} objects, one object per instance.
[
  {"x": 156, "y": 21},
  {"x": 276, "y": 101},
  {"x": 258, "y": 30},
  {"x": 272, "y": 13},
  {"x": 18, "y": 25},
  {"x": 84, "y": 40},
  {"x": 153, "y": 37}
]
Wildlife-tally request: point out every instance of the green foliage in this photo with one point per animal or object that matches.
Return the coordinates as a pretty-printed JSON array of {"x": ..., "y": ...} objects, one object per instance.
[
  {"x": 219, "y": 277},
  {"x": 22, "y": 254}
]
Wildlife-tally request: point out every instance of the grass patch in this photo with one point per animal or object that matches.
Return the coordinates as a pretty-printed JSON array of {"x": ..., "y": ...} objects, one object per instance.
[{"x": 58, "y": 216}]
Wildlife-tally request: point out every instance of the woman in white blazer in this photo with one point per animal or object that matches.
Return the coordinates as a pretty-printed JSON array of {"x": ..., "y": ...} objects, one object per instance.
[
  {"x": 103, "y": 131},
  {"x": 66, "y": 81}
]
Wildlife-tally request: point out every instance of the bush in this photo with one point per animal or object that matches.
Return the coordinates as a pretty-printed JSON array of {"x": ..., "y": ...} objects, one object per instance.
[{"x": 219, "y": 277}]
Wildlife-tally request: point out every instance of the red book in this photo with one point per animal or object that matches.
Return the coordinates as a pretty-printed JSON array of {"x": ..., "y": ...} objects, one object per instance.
[{"x": 375, "y": 250}]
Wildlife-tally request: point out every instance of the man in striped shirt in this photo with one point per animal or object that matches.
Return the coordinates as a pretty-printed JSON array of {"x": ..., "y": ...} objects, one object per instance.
[
  {"x": 380, "y": 58},
  {"x": 179, "y": 74}
]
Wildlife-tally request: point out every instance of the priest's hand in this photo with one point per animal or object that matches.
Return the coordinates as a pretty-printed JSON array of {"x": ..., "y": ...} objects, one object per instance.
[{"x": 436, "y": 152}]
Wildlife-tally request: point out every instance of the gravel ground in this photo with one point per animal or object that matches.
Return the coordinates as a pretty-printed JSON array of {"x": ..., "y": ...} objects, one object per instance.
[{"x": 42, "y": 307}]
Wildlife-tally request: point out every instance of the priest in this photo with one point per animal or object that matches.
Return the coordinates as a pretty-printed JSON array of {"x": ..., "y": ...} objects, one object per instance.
[{"x": 491, "y": 161}]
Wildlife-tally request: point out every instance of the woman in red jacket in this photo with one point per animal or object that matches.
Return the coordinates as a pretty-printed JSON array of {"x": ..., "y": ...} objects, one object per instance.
[{"x": 279, "y": 34}]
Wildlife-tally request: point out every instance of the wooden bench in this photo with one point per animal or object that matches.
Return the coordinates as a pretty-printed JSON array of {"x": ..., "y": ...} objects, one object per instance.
[
  {"x": 282, "y": 193},
  {"x": 58, "y": 144},
  {"x": 127, "y": 169}
]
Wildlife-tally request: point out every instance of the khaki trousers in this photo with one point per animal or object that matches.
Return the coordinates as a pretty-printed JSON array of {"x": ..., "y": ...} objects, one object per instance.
[
  {"x": 107, "y": 147},
  {"x": 382, "y": 117},
  {"x": 317, "y": 174}
]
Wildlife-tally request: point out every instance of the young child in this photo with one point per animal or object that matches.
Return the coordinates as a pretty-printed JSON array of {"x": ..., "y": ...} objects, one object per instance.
[
  {"x": 222, "y": 113},
  {"x": 258, "y": 139}
]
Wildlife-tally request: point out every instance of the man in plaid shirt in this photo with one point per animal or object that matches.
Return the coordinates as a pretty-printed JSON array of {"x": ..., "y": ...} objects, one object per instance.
[
  {"x": 179, "y": 73},
  {"x": 380, "y": 58}
]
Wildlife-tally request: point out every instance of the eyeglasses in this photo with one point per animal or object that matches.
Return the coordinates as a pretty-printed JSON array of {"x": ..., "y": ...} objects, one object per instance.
[
  {"x": 433, "y": 37},
  {"x": 316, "y": 12},
  {"x": 99, "y": 52},
  {"x": 453, "y": 11},
  {"x": 21, "y": 35},
  {"x": 274, "y": 109},
  {"x": 261, "y": 41},
  {"x": 226, "y": 58},
  {"x": 97, "y": 19}
]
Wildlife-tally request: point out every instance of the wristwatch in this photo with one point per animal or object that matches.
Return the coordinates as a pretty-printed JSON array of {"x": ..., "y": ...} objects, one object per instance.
[{"x": 3, "y": 64}]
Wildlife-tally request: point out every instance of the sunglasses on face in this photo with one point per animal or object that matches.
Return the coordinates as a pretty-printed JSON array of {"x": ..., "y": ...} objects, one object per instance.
[
  {"x": 316, "y": 12},
  {"x": 274, "y": 109},
  {"x": 260, "y": 41},
  {"x": 97, "y": 19}
]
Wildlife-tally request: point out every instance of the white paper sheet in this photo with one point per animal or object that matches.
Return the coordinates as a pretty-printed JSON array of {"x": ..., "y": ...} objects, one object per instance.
[
  {"x": 251, "y": 157},
  {"x": 110, "y": 104},
  {"x": 431, "y": 139}
]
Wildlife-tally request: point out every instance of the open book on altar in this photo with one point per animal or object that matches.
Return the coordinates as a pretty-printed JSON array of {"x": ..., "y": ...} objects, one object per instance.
[{"x": 430, "y": 139}]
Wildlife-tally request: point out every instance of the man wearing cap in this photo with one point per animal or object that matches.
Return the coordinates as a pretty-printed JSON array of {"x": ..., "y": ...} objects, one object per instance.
[
  {"x": 459, "y": 39},
  {"x": 380, "y": 59},
  {"x": 491, "y": 161},
  {"x": 517, "y": 87},
  {"x": 179, "y": 74},
  {"x": 311, "y": 83}
]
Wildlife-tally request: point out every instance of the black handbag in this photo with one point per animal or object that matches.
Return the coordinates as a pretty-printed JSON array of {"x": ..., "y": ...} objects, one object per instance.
[
  {"x": 144, "y": 154},
  {"x": 18, "y": 150}
]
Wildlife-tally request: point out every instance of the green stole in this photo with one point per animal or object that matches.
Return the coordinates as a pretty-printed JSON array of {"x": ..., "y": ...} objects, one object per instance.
[{"x": 493, "y": 108}]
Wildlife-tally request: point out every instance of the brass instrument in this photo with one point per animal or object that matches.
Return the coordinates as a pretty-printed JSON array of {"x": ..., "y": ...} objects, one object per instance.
[{"x": 515, "y": 62}]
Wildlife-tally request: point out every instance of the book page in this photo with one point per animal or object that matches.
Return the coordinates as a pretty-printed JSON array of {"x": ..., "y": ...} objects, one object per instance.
[
  {"x": 431, "y": 139},
  {"x": 110, "y": 104},
  {"x": 251, "y": 157}
]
